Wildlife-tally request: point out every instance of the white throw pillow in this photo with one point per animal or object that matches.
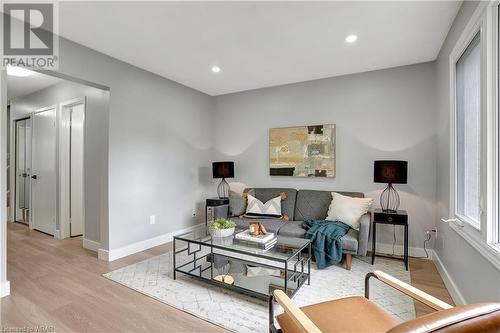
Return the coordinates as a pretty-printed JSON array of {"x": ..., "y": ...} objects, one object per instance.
[
  {"x": 347, "y": 209},
  {"x": 255, "y": 207}
]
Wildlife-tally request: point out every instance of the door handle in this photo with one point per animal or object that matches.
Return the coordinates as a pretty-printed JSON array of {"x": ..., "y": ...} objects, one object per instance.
[{"x": 34, "y": 177}]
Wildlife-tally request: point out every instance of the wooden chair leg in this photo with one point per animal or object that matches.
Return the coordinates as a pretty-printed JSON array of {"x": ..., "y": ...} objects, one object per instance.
[{"x": 348, "y": 261}]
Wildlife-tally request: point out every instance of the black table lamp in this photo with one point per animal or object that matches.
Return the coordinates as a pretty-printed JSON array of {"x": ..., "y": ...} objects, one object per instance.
[
  {"x": 390, "y": 172},
  {"x": 223, "y": 170}
]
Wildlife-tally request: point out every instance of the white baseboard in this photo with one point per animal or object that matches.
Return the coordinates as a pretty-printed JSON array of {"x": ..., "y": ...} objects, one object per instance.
[
  {"x": 103, "y": 254},
  {"x": 417, "y": 252},
  {"x": 91, "y": 245},
  {"x": 4, "y": 288},
  {"x": 114, "y": 254},
  {"x": 455, "y": 293}
]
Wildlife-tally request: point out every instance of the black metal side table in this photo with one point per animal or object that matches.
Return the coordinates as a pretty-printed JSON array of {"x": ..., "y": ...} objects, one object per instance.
[
  {"x": 398, "y": 218},
  {"x": 216, "y": 207}
]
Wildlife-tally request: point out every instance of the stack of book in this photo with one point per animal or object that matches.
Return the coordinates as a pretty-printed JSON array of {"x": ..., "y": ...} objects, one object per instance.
[{"x": 264, "y": 242}]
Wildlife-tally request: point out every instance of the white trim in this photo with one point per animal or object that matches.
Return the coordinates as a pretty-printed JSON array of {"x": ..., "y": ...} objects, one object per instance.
[
  {"x": 455, "y": 293},
  {"x": 64, "y": 164},
  {"x": 103, "y": 254},
  {"x": 416, "y": 252},
  {"x": 57, "y": 234},
  {"x": 91, "y": 245},
  {"x": 4, "y": 288},
  {"x": 130, "y": 249},
  {"x": 483, "y": 20}
]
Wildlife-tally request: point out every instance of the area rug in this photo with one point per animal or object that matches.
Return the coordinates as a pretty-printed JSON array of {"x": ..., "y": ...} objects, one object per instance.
[{"x": 240, "y": 313}]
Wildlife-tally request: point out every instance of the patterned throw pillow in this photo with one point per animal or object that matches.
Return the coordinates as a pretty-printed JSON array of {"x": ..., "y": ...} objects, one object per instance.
[{"x": 258, "y": 209}]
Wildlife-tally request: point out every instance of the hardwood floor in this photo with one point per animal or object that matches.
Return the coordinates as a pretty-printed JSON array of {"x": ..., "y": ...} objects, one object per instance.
[
  {"x": 57, "y": 283},
  {"x": 424, "y": 276}
]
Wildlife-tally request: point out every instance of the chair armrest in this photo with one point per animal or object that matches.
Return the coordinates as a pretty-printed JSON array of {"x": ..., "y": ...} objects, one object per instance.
[
  {"x": 407, "y": 289},
  {"x": 299, "y": 317},
  {"x": 364, "y": 233}
]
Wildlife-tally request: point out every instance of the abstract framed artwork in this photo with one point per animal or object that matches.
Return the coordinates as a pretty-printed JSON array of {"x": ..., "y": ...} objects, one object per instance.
[{"x": 303, "y": 151}]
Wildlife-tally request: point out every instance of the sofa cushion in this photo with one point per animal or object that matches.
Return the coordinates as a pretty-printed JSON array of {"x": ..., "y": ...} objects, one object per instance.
[
  {"x": 295, "y": 229},
  {"x": 271, "y": 225},
  {"x": 314, "y": 205},
  {"x": 350, "y": 241},
  {"x": 287, "y": 205}
]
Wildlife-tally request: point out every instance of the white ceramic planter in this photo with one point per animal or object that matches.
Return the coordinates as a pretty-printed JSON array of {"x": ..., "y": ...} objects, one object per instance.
[{"x": 221, "y": 232}]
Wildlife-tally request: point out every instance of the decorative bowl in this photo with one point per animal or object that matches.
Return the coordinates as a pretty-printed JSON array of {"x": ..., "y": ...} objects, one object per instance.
[{"x": 221, "y": 232}]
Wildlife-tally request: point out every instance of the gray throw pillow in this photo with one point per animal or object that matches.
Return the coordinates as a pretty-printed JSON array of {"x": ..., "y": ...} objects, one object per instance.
[{"x": 237, "y": 204}]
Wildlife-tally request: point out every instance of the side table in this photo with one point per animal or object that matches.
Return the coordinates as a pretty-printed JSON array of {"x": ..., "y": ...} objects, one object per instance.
[
  {"x": 216, "y": 207},
  {"x": 397, "y": 218}
]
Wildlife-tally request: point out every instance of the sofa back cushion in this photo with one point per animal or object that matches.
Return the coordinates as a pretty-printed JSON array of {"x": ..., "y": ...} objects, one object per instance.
[
  {"x": 287, "y": 205},
  {"x": 314, "y": 205}
]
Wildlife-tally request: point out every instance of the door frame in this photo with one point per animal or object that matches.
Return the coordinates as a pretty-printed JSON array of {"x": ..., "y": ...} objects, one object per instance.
[
  {"x": 14, "y": 185},
  {"x": 33, "y": 125},
  {"x": 65, "y": 164}
]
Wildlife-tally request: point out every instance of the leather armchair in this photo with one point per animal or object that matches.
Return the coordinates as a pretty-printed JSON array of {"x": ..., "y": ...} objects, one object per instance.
[{"x": 359, "y": 314}]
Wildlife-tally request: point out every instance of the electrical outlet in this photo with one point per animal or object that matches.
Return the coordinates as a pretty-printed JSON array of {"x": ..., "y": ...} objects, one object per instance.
[
  {"x": 431, "y": 231},
  {"x": 435, "y": 231},
  {"x": 152, "y": 219},
  {"x": 194, "y": 212}
]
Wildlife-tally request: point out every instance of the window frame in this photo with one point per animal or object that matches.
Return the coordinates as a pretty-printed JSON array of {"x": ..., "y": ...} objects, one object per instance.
[
  {"x": 471, "y": 224},
  {"x": 485, "y": 239}
]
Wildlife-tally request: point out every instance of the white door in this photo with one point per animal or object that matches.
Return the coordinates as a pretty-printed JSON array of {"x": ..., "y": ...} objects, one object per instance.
[
  {"x": 43, "y": 182},
  {"x": 76, "y": 169}
]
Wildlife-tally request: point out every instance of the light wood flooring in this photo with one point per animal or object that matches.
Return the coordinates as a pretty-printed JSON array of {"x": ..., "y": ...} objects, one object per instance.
[{"x": 59, "y": 284}]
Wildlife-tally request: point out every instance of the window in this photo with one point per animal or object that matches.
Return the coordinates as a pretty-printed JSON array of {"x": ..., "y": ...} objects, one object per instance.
[
  {"x": 475, "y": 131},
  {"x": 468, "y": 134}
]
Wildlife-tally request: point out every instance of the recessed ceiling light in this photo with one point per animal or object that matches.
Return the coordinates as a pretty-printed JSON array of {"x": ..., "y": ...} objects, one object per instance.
[
  {"x": 18, "y": 71},
  {"x": 216, "y": 69},
  {"x": 351, "y": 38}
]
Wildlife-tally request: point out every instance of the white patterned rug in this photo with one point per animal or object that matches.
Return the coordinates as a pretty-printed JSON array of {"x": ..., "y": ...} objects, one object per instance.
[{"x": 240, "y": 313}]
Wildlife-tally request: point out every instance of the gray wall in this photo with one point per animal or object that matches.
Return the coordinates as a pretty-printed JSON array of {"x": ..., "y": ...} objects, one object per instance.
[
  {"x": 160, "y": 142},
  {"x": 96, "y": 136},
  {"x": 474, "y": 276},
  {"x": 386, "y": 114}
]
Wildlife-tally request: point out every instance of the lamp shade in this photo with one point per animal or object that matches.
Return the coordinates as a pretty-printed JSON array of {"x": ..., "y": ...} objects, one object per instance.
[
  {"x": 223, "y": 169},
  {"x": 390, "y": 172}
]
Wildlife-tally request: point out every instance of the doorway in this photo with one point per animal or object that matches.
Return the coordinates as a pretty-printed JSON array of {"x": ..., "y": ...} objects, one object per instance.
[{"x": 22, "y": 186}]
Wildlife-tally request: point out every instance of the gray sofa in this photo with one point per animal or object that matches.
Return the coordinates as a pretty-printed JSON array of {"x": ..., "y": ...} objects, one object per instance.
[{"x": 301, "y": 205}]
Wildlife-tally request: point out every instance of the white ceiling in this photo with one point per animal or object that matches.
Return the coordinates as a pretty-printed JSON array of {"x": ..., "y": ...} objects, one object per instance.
[
  {"x": 259, "y": 44},
  {"x": 21, "y": 86}
]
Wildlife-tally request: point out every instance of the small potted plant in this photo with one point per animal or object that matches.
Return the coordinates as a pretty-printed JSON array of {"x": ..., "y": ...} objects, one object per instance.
[{"x": 222, "y": 228}]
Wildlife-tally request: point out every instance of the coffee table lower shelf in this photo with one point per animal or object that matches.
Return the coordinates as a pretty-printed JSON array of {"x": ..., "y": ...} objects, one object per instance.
[{"x": 205, "y": 262}]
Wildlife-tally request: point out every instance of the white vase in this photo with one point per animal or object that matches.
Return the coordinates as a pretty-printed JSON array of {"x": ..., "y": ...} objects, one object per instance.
[{"x": 221, "y": 232}]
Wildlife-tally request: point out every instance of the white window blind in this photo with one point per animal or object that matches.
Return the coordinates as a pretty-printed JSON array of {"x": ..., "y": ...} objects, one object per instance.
[{"x": 468, "y": 134}]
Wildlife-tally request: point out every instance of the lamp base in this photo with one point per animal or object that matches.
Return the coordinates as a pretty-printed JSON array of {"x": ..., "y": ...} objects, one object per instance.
[
  {"x": 223, "y": 189},
  {"x": 389, "y": 199}
]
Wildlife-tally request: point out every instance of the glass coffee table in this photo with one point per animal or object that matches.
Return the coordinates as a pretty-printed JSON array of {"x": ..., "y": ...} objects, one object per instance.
[{"x": 223, "y": 261}]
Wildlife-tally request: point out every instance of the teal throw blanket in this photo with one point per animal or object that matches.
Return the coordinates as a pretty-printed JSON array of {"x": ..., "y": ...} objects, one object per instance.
[{"x": 325, "y": 238}]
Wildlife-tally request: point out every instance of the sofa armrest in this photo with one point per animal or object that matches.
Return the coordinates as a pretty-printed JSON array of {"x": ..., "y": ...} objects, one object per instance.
[{"x": 364, "y": 233}]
